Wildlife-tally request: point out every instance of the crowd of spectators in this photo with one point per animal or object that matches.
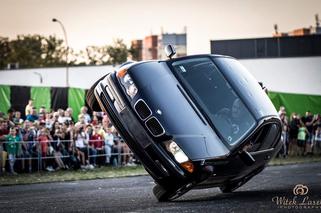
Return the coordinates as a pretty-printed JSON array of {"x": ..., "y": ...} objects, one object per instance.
[
  {"x": 301, "y": 135},
  {"x": 54, "y": 140}
]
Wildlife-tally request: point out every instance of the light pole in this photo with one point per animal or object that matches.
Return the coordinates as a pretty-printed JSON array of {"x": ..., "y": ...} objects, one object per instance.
[{"x": 67, "y": 46}]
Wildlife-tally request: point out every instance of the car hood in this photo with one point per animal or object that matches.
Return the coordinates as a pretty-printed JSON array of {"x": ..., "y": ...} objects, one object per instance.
[{"x": 175, "y": 113}]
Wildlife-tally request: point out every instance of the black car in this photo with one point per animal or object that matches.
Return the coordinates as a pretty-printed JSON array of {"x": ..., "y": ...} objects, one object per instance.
[{"x": 194, "y": 122}]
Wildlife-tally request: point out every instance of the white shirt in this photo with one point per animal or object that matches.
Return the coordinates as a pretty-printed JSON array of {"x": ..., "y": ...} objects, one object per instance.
[{"x": 82, "y": 140}]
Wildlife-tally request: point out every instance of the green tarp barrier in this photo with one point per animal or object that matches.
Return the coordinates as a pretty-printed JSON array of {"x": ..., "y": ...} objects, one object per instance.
[
  {"x": 298, "y": 103},
  {"x": 76, "y": 99},
  {"x": 4, "y": 98},
  {"x": 41, "y": 97}
]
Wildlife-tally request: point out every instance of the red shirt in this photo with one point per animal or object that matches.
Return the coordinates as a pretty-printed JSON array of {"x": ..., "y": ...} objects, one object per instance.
[
  {"x": 4, "y": 132},
  {"x": 44, "y": 142},
  {"x": 96, "y": 141}
]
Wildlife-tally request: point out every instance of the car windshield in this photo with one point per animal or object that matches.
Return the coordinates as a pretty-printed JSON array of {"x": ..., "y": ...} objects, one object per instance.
[{"x": 215, "y": 97}]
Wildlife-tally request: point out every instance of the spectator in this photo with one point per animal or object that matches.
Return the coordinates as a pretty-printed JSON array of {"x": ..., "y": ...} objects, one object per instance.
[
  {"x": 302, "y": 135},
  {"x": 293, "y": 133},
  {"x": 67, "y": 128},
  {"x": 11, "y": 113},
  {"x": 49, "y": 120},
  {"x": 42, "y": 113},
  {"x": 29, "y": 107},
  {"x": 17, "y": 118},
  {"x": 22, "y": 151},
  {"x": 46, "y": 149},
  {"x": 4, "y": 127},
  {"x": 58, "y": 146},
  {"x": 316, "y": 123},
  {"x": 1, "y": 157},
  {"x": 106, "y": 122},
  {"x": 116, "y": 152},
  {"x": 81, "y": 143},
  {"x": 83, "y": 111},
  {"x": 109, "y": 142},
  {"x": 55, "y": 125},
  {"x": 308, "y": 120},
  {"x": 4, "y": 130},
  {"x": 81, "y": 121},
  {"x": 70, "y": 112},
  {"x": 29, "y": 136},
  {"x": 281, "y": 110},
  {"x": 96, "y": 144},
  {"x": 33, "y": 115},
  {"x": 95, "y": 120},
  {"x": 12, "y": 147},
  {"x": 284, "y": 136},
  {"x": 317, "y": 140},
  {"x": 67, "y": 117},
  {"x": 55, "y": 117},
  {"x": 61, "y": 116},
  {"x": 126, "y": 155}
]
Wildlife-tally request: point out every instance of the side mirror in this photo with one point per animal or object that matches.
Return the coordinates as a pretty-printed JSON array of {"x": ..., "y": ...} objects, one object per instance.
[{"x": 170, "y": 51}]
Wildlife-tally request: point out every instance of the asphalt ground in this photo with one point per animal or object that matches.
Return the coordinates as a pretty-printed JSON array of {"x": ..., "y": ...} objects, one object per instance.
[{"x": 270, "y": 191}]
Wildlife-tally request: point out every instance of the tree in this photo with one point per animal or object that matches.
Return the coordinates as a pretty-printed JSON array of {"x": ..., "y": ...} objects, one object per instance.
[
  {"x": 134, "y": 53},
  {"x": 4, "y": 51},
  {"x": 26, "y": 51},
  {"x": 135, "y": 50},
  {"x": 54, "y": 52},
  {"x": 30, "y": 51},
  {"x": 117, "y": 52},
  {"x": 97, "y": 55}
]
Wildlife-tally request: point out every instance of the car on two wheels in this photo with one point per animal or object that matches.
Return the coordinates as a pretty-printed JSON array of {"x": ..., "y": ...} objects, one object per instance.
[{"x": 198, "y": 121}]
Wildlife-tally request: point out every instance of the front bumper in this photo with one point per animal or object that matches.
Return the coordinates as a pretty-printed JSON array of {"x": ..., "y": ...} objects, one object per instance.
[{"x": 155, "y": 159}]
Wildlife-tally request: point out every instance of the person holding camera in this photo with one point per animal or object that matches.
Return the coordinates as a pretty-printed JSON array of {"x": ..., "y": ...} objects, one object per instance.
[{"x": 81, "y": 144}]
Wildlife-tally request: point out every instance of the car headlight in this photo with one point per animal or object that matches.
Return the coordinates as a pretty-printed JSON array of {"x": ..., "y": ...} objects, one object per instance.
[
  {"x": 179, "y": 155},
  {"x": 128, "y": 83}
]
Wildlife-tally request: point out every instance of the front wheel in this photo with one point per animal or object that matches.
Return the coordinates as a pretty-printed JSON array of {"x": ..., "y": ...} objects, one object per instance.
[
  {"x": 164, "y": 195},
  {"x": 230, "y": 187},
  {"x": 161, "y": 194}
]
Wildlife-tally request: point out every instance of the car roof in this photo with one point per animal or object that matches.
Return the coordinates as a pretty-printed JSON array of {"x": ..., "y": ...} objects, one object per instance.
[{"x": 129, "y": 64}]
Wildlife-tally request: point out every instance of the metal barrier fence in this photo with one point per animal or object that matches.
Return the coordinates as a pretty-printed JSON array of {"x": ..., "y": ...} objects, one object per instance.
[{"x": 32, "y": 151}]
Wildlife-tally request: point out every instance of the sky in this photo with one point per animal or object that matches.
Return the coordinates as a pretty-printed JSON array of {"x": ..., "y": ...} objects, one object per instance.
[{"x": 99, "y": 22}]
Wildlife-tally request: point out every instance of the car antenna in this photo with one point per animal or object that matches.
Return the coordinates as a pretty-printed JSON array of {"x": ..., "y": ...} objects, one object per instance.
[{"x": 170, "y": 51}]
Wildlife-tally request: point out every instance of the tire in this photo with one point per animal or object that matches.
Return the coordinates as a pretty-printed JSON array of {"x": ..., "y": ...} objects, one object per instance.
[
  {"x": 91, "y": 98},
  {"x": 162, "y": 194},
  {"x": 230, "y": 187}
]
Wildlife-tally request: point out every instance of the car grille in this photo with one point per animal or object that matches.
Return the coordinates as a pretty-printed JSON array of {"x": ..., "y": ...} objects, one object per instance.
[
  {"x": 154, "y": 127},
  {"x": 142, "y": 109}
]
